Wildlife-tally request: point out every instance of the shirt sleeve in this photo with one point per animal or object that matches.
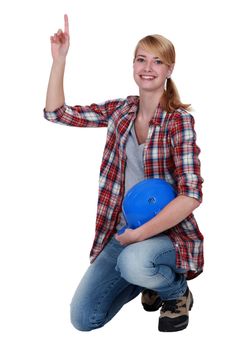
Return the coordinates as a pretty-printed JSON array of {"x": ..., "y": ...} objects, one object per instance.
[
  {"x": 95, "y": 115},
  {"x": 186, "y": 157}
]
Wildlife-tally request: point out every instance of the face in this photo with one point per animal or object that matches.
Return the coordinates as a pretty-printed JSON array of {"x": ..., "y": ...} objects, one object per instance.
[{"x": 150, "y": 73}]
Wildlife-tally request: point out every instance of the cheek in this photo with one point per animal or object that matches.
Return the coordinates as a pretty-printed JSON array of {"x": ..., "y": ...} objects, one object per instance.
[
  {"x": 135, "y": 77},
  {"x": 164, "y": 73},
  {"x": 135, "y": 68},
  {"x": 138, "y": 67},
  {"x": 135, "y": 72}
]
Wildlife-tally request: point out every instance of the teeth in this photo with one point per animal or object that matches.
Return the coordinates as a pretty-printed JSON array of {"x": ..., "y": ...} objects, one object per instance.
[{"x": 147, "y": 77}]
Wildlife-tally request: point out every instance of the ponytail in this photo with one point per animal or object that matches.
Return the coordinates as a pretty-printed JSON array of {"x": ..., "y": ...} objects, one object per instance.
[{"x": 170, "y": 99}]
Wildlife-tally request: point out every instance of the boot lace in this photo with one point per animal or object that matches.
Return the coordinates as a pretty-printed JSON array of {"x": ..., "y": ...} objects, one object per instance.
[{"x": 171, "y": 305}]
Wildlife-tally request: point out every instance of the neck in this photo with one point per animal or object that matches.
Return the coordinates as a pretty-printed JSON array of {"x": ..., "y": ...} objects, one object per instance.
[{"x": 148, "y": 104}]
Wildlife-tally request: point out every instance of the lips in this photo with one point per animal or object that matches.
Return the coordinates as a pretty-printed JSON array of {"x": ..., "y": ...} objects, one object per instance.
[{"x": 147, "y": 77}]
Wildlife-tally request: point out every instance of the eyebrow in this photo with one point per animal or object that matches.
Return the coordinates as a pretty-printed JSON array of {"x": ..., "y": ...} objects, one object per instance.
[{"x": 145, "y": 56}]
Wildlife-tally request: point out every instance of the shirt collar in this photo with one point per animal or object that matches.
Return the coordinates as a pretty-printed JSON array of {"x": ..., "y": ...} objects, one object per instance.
[{"x": 159, "y": 113}]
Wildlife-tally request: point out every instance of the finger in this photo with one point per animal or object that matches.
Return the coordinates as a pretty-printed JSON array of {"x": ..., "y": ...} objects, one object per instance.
[
  {"x": 66, "y": 25},
  {"x": 117, "y": 237},
  {"x": 57, "y": 35},
  {"x": 55, "y": 39},
  {"x": 62, "y": 37},
  {"x": 52, "y": 38}
]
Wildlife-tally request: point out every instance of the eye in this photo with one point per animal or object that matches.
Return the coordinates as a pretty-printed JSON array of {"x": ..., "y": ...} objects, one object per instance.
[
  {"x": 158, "y": 61},
  {"x": 140, "y": 59}
]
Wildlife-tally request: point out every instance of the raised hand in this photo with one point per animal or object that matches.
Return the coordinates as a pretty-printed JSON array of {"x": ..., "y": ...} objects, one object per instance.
[{"x": 60, "y": 41}]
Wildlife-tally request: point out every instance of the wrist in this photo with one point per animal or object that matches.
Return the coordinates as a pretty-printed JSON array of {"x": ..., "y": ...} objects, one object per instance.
[
  {"x": 139, "y": 234},
  {"x": 145, "y": 231},
  {"x": 59, "y": 62}
]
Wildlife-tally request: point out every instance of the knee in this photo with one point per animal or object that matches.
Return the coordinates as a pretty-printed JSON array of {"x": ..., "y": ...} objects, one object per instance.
[
  {"x": 130, "y": 265},
  {"x": 79, "y": 320},
  {"x": 82, "y": 320},
  {"x": 136, "y": 268}
]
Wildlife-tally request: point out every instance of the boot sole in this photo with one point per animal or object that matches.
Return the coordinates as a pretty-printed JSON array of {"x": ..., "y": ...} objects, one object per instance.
[{"x": 164, "y": 326}]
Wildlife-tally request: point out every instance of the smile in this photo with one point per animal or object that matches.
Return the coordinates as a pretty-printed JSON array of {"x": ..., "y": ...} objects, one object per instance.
[{"x": 147, "y": 77}]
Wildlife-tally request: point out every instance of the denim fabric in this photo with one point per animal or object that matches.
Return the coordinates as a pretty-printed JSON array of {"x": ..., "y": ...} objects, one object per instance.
[{"x": 119, "y": 274}]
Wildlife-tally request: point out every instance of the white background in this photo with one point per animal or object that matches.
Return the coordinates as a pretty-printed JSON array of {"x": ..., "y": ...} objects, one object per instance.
[{"x": 49, "y": 173}]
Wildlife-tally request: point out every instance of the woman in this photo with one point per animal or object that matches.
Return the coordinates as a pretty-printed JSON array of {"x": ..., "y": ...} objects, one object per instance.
[{"x": 149, "y": 136}]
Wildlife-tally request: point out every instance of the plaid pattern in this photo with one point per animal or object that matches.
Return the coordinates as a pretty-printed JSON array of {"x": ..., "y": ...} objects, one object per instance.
[{"x": 170, "y": 153}]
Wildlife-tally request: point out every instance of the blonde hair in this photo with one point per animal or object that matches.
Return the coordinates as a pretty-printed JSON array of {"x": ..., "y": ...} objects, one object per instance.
[{"x": 163, "y": 47}]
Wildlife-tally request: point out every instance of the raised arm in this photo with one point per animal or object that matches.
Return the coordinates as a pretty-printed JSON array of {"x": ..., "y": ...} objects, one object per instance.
[
  {"x": 60, "y": 42},
  {"x": 95, "y": 115}
]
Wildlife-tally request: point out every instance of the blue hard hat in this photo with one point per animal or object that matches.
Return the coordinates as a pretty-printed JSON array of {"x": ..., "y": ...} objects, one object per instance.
[{"x": 145, "y": 200}]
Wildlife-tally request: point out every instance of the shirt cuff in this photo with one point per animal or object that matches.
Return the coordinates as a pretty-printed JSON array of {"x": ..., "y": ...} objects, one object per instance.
[
  {"x": 191, "y": 185},
  {"x": 54, "y": 115}
]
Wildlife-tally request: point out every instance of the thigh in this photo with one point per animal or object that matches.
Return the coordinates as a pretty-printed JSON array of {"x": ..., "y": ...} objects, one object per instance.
[
  {"x": 101, "y": 292},
  {"x": 158, "y": 250},
  {"x": 100, "y": 275},
  {"x": 150, "y": 263}
]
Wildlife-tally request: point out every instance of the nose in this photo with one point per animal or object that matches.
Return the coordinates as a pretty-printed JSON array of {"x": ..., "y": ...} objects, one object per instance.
[{"x": 148, "y": 66}]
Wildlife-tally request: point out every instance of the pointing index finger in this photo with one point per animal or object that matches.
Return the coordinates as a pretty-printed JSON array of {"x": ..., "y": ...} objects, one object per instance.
[{"x": 66, "y": 24}]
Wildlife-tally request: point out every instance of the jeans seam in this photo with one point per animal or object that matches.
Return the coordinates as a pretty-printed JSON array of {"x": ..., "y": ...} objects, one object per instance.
[
  {"x": 157, "y": 257},
  {"x": 168, "y": 281},
  {"x": 101, "y": 298},
  {"x": 163, "y": 253}
]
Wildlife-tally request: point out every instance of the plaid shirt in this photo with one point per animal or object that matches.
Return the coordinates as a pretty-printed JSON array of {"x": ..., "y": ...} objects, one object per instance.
[{"x": 170, "y": 153}]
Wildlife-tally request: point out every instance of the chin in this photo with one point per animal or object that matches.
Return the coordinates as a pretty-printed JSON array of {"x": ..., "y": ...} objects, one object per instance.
[{"x": 148, "y": 89}]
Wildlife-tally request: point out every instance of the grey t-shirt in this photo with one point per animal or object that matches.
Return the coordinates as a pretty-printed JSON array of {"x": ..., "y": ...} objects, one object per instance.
[{"x": 134, "y": 171}]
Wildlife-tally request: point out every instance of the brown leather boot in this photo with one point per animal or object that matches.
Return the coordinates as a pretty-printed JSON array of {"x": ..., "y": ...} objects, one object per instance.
[
  {"x": 174, "y": 314},
  {"x": 150, "y": 300}
]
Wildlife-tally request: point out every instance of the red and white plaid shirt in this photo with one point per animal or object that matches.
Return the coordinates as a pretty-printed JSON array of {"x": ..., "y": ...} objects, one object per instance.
[{"x": 170, "y": 153}]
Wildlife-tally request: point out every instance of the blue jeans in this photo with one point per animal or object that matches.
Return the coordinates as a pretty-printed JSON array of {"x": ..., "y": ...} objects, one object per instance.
[{"x": 119, "y": 274}]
